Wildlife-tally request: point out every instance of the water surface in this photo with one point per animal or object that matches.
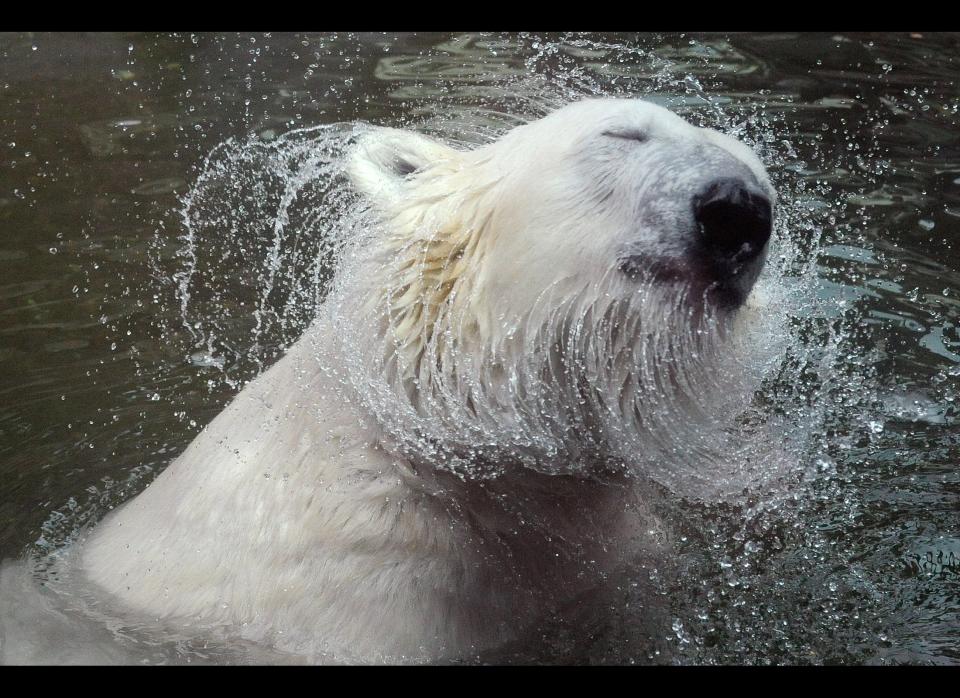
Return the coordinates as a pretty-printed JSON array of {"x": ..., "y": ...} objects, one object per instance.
[{"x": 108, "y": 368}]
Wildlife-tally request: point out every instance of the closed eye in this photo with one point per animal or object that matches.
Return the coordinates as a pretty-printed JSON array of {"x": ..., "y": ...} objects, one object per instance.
[{"x": 630, "y": 134}]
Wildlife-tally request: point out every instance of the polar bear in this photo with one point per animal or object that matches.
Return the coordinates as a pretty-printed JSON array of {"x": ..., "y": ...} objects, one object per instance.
[{"x": 447, "y": 455}]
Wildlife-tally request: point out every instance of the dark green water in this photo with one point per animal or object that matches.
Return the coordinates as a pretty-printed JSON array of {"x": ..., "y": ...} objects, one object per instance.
[{"x": 101, "y": 386}]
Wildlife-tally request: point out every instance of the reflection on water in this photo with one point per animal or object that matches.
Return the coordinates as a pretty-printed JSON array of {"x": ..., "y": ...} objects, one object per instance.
[{"x": 108, "y": 369}]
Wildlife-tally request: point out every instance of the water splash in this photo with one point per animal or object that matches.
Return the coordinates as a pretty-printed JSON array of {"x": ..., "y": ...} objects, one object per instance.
[
  {"x": 266, "y": 224},
  {"x": 278, "y": 215},
  {"x": 261, "y": 235}
]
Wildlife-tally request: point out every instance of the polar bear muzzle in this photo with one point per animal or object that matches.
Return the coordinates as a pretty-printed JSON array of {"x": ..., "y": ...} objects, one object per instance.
[{"x": 733, "y": 222}]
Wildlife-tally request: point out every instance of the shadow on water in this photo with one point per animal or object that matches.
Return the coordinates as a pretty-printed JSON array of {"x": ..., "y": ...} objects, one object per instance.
[{"x": 110, "y": 362}]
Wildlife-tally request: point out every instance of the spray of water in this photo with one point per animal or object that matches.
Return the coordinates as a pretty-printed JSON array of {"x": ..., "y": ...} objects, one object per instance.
[
  {"x": 273, "y": 236},
  {"x": 593, "y": 377}
]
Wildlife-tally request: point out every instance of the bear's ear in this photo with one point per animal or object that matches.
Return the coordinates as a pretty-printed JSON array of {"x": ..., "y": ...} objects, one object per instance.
[{"x": 384, "y": 157}]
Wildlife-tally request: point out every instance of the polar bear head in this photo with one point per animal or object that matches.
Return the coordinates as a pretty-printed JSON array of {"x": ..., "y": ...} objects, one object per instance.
[{"x": 570, "y": 238}]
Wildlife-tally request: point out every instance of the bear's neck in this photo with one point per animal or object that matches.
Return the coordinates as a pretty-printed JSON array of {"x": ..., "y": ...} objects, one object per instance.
[
  {"x": 531, "y": 545},
  {"x": 566, "y": 519}
]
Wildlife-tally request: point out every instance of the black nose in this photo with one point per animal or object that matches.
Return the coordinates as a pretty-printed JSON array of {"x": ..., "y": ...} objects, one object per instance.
[{"x": 735, "y": 220}]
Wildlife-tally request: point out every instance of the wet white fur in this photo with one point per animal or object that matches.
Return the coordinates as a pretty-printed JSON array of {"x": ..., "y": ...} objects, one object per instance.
[{"x": 297, "y": 517}]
